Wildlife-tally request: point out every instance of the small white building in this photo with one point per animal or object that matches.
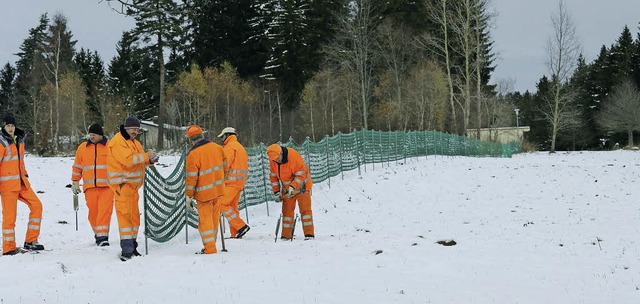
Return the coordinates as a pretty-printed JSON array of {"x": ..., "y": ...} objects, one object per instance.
[
  {"x": 174, "y": 136},
  {"x": 501, "y": 135}
]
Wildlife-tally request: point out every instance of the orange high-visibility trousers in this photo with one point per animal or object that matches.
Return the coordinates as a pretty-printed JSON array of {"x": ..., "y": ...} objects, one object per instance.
[
  {"x": 208, "y": 221},
  {"x": 9, "y": 214},
  {"x": 100, "y": 205},
  {"x": 128, "y": 213},
  {"x": 288, "y": 209},
  {"x": 229, "y": 208}
]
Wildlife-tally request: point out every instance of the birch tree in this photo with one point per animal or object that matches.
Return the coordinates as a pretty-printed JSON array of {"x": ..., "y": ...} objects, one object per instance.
[{"x": 562, "y": 50}]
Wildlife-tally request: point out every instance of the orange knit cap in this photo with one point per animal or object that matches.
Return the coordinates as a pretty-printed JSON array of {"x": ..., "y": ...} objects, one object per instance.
[
  {"x": 193, "y": 131},
  {"x": 273, "y": 151}
]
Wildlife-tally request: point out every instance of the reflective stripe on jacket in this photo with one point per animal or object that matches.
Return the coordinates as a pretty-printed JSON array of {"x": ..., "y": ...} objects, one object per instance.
[
  {"x": 206, "y": 169},
  {"x": 291, "y": 172},
  {"x": 126, "y": 160},
  {"x": 90, "y": 164},
  {"x": 238, "y": 160},
  {"x": 12, "y": 168}
]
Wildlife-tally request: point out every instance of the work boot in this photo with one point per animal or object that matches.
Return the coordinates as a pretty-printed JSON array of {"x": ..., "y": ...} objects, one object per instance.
[
  {"x": 308, "y": 237},
  {"x": 125, "y": 256},
  {"x": 242, "y": 231},
  {"x": 11, "y": 252},
  {"x": 33, "y": 246},
  {"x": 103, "y": 244}
]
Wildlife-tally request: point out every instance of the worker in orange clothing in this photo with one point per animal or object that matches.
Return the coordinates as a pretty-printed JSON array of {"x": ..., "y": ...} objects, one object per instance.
[
  {"x": 14, "y": 186},
  {"x": 288, "y": 168},
  {"x": 90, "y": 164},
  {"x": 206, "y": 169},
  {"x": 126, "y": 162},
  {"x": 238, "y": 161}
]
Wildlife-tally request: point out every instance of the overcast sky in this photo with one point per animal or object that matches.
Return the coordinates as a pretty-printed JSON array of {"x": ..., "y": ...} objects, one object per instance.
[{"x": 520, "y": 31}]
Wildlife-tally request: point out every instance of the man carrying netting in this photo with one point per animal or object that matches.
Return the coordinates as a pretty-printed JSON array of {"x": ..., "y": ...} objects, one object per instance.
[
  {"x": 126, "y": 162},
  {"x": 288, "y": 167},
  {"x": 206, "y": 169},
  {"x": 234, "y": 182}
]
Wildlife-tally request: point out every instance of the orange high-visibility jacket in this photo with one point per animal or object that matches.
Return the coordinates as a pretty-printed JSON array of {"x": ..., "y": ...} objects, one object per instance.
[
  {"x": 12, "y": 168},
  {"x": 206, "y": 169},
  {"x": 291, "y": 172},
  {"x": 126, "y": 160},
  {"x": 238, "y": 160},
  {"x": 90, "y": 164}
]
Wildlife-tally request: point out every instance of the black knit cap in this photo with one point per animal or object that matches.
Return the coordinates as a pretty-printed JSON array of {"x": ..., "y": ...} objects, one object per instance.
[
  {"x": 9, "y": 120},
  {"x": 131, "y": 122},
  {"x": 96, "y": 129}
]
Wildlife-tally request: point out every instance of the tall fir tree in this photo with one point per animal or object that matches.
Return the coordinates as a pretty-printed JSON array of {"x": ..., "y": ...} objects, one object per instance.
[
  {"x": 622, "y": 53},
  {"x": 133, "y": 77},
  {"x": 227, "y": 31},
  {"x": 31, "y": 70},
  {"x": 159, "y": 25},
  {"x": 91, "y": 70},
  {"x": 8, "y": 75}
]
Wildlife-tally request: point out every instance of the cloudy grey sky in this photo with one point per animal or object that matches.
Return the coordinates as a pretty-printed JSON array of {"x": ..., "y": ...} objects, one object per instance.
[{"x": 520, "y": 31}]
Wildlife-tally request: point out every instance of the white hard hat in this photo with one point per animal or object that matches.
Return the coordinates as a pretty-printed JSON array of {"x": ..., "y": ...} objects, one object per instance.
[{"x": 227, "y": 130}]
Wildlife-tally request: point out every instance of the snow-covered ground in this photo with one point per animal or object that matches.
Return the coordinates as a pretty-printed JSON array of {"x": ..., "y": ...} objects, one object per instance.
[{"x": 535, "y": 228}]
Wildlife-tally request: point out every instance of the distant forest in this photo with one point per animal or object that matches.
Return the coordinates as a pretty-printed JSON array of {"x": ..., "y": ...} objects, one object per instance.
[{"x": 280, "y": 69}]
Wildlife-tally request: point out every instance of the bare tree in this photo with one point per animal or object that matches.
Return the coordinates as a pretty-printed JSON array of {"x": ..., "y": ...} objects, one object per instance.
[
  {"x": 563, "y": 50},
  {"x": 621, "y": 113},
  {"x": 426, "y": 93},
  {"x": 481, "y": 20},
  {"x": 57, "y": 53},
  {"x": 439, "y": 14},
  {"x": 72, "y": 101},
  {"x": 397, "y": 53},
  {"x": 354, "y": 47}
]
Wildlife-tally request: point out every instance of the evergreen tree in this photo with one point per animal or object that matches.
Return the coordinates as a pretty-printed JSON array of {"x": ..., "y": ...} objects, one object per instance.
[
  {"x": 133, "y": 78},
  {"x": 7, "y": 89},
  {"x": 411, "y": 14},
  {"x": 227, "y": 31},
  {"x": 290, "y": 53},
  {"x": 31, "y": 70},
  {"x": 159, "y": 25},
  {"x": 91, "y": 70},
  {"x": 585, "y": 136},
  {"x": 532, "y": 115},
  {"x": 622, "y": 53}
]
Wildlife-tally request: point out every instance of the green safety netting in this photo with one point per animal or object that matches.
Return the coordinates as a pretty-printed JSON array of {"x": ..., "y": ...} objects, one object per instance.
[{"x": 164, "y": 206}]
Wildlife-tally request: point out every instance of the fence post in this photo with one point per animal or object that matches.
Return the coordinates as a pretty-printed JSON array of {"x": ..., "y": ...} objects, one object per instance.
[
  {"x": 341, "y": 156},
  {"x": 146, "y": 241},
  {"x": 246, "y": 206},
  {"x": 264, "y": 177},
  {"x": 326, "y": 148},
  {"x": 358, "y": 151},
  {"x": 396, "y": 148}
]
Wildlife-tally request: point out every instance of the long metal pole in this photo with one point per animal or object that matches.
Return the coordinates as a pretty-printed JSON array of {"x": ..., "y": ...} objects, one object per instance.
[
  {"x": 224, "y": 249},
  {"x": 246, "y": 206},
  {"x": 264, "y": 179}
]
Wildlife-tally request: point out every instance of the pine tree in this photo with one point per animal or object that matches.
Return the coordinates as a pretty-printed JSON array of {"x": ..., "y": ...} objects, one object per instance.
[
  {"x": 159, "y": 24},
  {"x": 7, "y": 89},
  {"x": 227, "y": 31},
  {"x": 133, "y": 78},
  {"x": 31, "y": 70},
  {"x": 91, "y": 70},
  {"x": 622, "y": 53}
]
